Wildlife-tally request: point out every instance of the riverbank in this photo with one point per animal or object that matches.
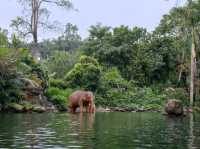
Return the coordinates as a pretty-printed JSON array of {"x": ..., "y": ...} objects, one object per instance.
[
  {"x": 19, "y": 108},
  {"x": 29, "y": 108},
  {"x": 120, "y": 109}
]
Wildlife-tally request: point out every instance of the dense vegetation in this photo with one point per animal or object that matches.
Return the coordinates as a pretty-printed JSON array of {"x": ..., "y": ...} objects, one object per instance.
[{"x": 125, "y": 67}]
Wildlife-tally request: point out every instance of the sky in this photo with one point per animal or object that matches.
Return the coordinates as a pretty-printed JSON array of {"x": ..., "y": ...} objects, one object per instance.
[{"x": 142, "y": 13}]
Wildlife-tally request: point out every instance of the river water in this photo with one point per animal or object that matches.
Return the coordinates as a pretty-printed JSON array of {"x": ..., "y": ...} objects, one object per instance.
[{"x": 99, "y": 131}]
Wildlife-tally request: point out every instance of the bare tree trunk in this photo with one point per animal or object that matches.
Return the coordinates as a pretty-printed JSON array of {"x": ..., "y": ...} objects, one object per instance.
[
  {"x": 193, "y": 70},
  {"x": 181, "y": 67},
  {"x": 34, "y": 20},
  {"x": 34, "y": 29},
  {"x": 180, "y": 75}
]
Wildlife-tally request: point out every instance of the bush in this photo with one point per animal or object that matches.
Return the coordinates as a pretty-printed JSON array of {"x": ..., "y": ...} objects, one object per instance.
[
  {"x": 3, "y": 38},
  {"x": 112, "y": 89},
  {"x": 129, "y": 100},
  {"x": 61, "y": 62},
  {"x": 124, "y": 94},
  {"x": 58, "y": 97},
  {"x": 85, "y": 74},
  {"x": 111, "y": 78},
  {"x": 146, "y": 96},
  {"x": 9, "y": 91},
  {"x": 59, "y": 83},
  {"x": 17, "y": 65}
]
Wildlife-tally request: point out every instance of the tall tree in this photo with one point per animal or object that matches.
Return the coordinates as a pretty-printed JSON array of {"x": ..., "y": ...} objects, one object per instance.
[
  {"x": 193, "y": 23},
  {"x": 3, "y": 38},
  {"x": 183, "y": 22},
  {"x": 68, "y": 41},
  {"x": 36, "y": 16}
]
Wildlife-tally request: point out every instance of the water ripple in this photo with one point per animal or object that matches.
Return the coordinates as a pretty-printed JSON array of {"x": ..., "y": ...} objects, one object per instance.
[{"x": 102, "y": 131}]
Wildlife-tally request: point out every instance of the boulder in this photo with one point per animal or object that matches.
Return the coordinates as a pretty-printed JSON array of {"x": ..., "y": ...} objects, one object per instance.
[
  {"x": 174, "y": 107},
  {"x": 38, "y": 109},
  {"x": 15, "y": 107},
  {"x": 101, "y": 109},
  {"x": 28, "y": 107}
]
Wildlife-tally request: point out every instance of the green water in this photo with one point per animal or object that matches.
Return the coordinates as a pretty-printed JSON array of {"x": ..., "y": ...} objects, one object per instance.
[{"x": 99, "y": 131}]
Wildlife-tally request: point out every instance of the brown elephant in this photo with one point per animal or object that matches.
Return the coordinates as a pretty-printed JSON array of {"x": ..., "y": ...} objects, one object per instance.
[{"x": 81, "y": 99}]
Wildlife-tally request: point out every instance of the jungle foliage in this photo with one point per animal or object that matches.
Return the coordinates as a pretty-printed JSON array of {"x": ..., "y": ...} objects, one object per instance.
[{"x": 125, "y": 67}]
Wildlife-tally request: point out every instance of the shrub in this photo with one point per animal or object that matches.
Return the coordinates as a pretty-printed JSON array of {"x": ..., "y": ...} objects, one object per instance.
[
  {"x": 146, "y": 96},
  {"x": 9, "y": 91},
  {"x": 126, "y": 95},
  {"x": 111, "y": 78},
  {"x": 85, "y": 74},
  {"x": 58, "y": 97},
  {"x": 59, "y": 83},
  {"x": 112, "y": 89},
  {"x": 61, "y": 62},
  {"x": 17, "y": 65},
  {"x": 3, "y": 38}
]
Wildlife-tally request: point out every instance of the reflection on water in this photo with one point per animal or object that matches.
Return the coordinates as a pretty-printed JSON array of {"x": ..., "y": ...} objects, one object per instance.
[
  {"x": 80, "y": 130},
  {"x": 99, "y": 131},
  {"x": 191, "y": 134},
  {"x": 46, "y": 130}
]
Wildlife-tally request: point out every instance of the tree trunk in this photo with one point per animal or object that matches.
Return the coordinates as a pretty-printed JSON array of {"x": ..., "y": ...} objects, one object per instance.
[
  {"x": 34, "y": 20},
  {"x": 181, "y": 67},
  {"x": 34, "y": 29},
  {"x": 193, "y": 70}
]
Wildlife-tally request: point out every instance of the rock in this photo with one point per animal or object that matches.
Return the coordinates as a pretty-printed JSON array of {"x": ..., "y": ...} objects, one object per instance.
[
  {"x": 101, "y": 109},
  {"x": 174, "y": 107},
  {"x": 15, "y": 107},
  {"x": 118, "y": 109},
  {"x": 51, "y": 108},
  {"x": 38, "y": 109},
  {"x": 28, "y": 107}
]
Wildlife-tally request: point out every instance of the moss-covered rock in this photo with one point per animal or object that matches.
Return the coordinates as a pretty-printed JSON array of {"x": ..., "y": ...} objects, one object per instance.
[
  {"x": 28, "y": 107},
  {"x": 38, "y": 109},
  {"x": 14, "y": 107}
]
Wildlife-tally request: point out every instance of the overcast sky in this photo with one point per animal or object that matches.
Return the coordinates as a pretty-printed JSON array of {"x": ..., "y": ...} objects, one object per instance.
[{"x": 142, "y": 13}]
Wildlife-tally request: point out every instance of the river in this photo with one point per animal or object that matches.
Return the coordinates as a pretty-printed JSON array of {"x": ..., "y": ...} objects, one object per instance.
[{"x": 112, "y": 130}]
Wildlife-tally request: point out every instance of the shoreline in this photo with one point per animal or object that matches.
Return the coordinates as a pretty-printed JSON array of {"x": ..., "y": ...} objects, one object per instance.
[
  {"x": 42, "y": 109},
  {"x": 119, "y": 109}
]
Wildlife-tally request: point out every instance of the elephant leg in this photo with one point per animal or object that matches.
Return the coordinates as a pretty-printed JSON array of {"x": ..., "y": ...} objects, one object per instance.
[
  {"x": 81, "y": 108},
  {"x": 70, "y": 109},
  {"x": 88, "y": 109},
  {"x": 73, "y": 109},
  {"x": 93, "y": 108}
]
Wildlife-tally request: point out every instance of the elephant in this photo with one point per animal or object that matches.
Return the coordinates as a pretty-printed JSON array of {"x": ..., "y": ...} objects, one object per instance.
[{"x": 81, "y": 99}]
